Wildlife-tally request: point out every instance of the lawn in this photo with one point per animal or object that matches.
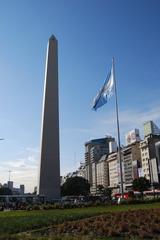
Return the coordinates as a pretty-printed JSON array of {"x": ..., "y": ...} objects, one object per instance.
[{"x": 21, "y": 221}]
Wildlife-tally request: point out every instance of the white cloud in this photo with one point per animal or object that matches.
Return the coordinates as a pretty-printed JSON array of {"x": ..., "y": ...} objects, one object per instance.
[
  {"x": 130, "y": 119},
  {"x": 23, "y": 169}
]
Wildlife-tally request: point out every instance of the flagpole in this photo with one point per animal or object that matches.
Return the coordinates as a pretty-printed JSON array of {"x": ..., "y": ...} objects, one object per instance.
[{"x": 118, "y": 129}]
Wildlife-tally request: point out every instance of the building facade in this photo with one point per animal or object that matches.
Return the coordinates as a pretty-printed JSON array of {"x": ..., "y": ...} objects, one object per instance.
[
  {"x": 157, "y": 146},
  {"x": 94, "y": 150},
  {"x": 131, "y": 163},
  {"x": 150, "y": 157},
  {"x": 113, "y": 171},
  {"x": 102, "y": 172},
  {"x": 140, "y": 158},
  {"x": 150, "y": 128}
]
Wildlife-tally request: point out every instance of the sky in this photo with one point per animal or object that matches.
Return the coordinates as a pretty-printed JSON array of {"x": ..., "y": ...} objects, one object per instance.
[{"x": 89, "y": 34}]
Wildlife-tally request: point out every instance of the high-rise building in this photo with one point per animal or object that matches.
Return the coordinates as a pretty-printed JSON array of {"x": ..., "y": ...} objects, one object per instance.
[
  {"x": 150, "y": 128},
  {"x": 131, "y": 162},
  {"x": 102, "y": 172},
  {"x": 49, "y": 179},
  {"x": 149, "y": 156},
  {"x": 113, "y": 171},
  {"x": 94, "y": 150}
]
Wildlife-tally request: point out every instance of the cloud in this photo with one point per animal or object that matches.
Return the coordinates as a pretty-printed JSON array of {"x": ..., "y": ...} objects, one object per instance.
[
  {"x": 130, "y": 119},
  {"x": 23, "y": 169}
]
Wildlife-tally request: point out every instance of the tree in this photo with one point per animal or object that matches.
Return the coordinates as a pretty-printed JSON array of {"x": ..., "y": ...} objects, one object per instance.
[
  {"x": 107, "y": 192},
  {"x": 5, "y": 191},
  {"x": 75, "y": 186},
  {"x": 100, "y": 189},
  {"x": 141, "y": 184}
]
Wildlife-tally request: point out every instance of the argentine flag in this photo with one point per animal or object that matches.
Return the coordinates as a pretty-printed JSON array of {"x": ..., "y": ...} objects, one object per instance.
[{"x": 106, "y": 91}]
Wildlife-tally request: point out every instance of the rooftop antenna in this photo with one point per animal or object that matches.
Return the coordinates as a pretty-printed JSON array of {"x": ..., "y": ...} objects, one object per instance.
[{"x": 9, "y": 174}]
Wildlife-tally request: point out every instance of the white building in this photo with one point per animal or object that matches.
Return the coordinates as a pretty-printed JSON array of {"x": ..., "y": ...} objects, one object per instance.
[
  {"x": 149, "y": 155},
  {"x": 145, "y": 159},
  {"x": 102, "y": 172},
  {"x": 94, "y": 150},
  {"x": 113, "y": 170},
  {"x": 131, "y": 160}
]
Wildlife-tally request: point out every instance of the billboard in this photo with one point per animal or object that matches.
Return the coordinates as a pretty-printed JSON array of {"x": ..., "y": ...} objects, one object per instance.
[{"x": 132, "y": 136}]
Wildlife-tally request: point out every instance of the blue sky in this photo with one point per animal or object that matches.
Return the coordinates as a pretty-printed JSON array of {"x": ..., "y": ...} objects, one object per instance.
[{"x": 89, "y": 33}]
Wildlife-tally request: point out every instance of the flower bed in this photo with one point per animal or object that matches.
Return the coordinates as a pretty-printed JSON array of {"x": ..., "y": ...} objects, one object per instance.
[{"x": 139, "y": 223}]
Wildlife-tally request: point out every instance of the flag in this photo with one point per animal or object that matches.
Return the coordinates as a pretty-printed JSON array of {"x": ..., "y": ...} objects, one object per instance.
[{"x": 105, "y": 93}]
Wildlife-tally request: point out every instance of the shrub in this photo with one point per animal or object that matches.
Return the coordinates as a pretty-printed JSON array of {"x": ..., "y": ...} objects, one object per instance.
[
  {"x": 36, "y": 207},
  {"x": 48, "y": 206},
  {"x": 29, "y": 208}
]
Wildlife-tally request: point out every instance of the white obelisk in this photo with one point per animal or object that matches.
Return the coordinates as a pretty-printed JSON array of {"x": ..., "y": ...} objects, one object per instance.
[{"x": 49, "y": 177}]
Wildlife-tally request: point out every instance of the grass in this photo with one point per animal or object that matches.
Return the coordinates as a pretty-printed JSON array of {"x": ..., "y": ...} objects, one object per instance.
[{"x": 21, "y": 221}]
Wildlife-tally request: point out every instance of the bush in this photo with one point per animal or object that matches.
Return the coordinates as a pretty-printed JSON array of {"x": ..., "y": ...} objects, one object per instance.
[
  {"x": 48, "y": 206},
  {"x": 57, "y": 205},
  {"x": 29, "y": 208},
  {"x": 36, "y": 207}
]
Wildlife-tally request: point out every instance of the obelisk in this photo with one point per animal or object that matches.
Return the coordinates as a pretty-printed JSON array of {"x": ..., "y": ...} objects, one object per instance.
[{"x": 49, "y": 177}]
